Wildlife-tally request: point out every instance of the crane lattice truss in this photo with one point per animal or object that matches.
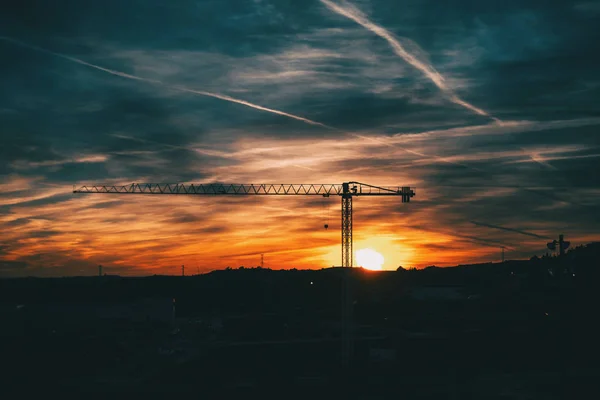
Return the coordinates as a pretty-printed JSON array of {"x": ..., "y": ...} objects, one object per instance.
[{"x": 346, "y": 190}]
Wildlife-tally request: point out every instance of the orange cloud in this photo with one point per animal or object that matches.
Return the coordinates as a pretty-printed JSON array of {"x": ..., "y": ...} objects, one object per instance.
[{"x": 53, "y": 231}]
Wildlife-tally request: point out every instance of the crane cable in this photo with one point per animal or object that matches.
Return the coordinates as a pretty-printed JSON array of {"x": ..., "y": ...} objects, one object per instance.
[{"x": 325, "y": 213}]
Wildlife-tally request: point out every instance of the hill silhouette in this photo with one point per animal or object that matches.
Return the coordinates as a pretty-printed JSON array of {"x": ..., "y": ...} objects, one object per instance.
[{"x": 262, "y": 328}]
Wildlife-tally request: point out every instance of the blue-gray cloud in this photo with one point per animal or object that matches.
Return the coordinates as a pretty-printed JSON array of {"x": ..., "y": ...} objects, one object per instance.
[{"x": 531, "y": 64}]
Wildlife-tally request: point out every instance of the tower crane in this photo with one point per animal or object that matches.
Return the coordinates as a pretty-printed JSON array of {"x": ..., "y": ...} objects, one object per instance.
[{"x": 346, "y": 191}]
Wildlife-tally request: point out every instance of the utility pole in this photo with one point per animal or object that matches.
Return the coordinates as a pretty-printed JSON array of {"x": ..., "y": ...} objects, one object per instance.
[
  {"x": 502, "y": 253},
  {"x": 562, "y": 246},
  {"x": 262, "y": 260},
  {"x": 561, "y": 243},
  {"x": 99, "y": 270},
  {"x": 183, "y": 270}
]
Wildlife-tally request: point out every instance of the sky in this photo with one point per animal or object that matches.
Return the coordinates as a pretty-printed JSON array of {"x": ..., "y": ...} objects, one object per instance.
[{"x": 490, "y": 110}]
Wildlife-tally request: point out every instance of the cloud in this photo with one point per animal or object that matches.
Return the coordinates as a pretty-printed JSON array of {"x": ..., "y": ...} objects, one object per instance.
[
  {"x": 177, "y": 88},
  {"x": 588, "y": 7},
  {"x": 64, "y": 123},
  {"x": 351, "y": 12}
]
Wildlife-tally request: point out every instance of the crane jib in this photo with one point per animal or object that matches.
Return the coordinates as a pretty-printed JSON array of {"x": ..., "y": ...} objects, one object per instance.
[{"x": 349, "y": 188}]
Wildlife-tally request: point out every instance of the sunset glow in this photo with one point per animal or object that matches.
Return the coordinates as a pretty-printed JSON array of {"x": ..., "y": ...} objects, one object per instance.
[
  {"x": 369, "y": 259},
  {"x": 269, "y": 92}
]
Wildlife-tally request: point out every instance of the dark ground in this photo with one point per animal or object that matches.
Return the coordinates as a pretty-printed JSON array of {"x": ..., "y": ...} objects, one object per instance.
[{"x": 515, "y": 331}]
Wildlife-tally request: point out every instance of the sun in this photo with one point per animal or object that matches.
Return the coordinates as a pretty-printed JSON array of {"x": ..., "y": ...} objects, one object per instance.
[{"x": 369, "y": 259}]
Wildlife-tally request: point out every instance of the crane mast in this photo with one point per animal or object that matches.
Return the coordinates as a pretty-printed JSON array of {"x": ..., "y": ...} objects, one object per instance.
[
  {"x": 346, "y": 191},
  {"x": 347, "y": 230}
]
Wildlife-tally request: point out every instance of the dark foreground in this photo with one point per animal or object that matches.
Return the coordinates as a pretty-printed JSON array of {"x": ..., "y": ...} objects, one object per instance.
[{"x": 509, "y": 332}]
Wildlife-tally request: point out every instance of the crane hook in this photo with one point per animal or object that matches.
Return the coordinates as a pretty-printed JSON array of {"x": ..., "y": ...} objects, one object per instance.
[{"x": 325, "y": 216}]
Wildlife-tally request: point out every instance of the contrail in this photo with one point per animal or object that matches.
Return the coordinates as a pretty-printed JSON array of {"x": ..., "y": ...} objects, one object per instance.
[
  {"x": 178, "y": 88},
  {"x": 353, "y": 13},
  {"x": 187, "y": 90},
  {"x": 417, "y": 153},
  {"x": 507, "y": 229}
]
